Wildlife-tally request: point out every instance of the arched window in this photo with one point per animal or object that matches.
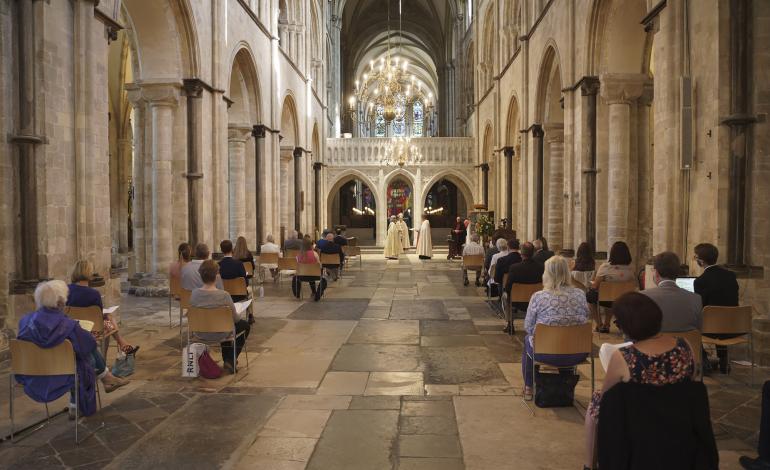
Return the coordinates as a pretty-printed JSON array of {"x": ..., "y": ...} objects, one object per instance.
[
  {"x": 417, "y": 126},
  {"x": 379, "y": 122},
  {"x": 399, "y": 124}
]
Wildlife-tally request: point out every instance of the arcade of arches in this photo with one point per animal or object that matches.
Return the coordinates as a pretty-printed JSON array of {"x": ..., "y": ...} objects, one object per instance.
[{"x": 131, "y": 126}]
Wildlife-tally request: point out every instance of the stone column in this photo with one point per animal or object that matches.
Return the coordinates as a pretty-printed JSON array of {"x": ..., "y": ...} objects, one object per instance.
[
  {"x": 509, "y": 152},
  {"x": 317, "y": 196},
  {"x": 193, "y": 89},
  {"x": 537, "y": 136},
  {"x": 125, "y": 150},
  {"x": 258, "y": 132},
  {"x": 619, "y": 91},
  {"x": 554, "y": 134},
  {"x": 589, "y": 88},
  {"x": 237, "y": 136},
  {"x": 485, "y": 183},
  {"x": 137, "y": 204},
  {"x": 297, "y": 186},
  {"x": 162, "y": 103},
  {"x": 645, "y": 188}
]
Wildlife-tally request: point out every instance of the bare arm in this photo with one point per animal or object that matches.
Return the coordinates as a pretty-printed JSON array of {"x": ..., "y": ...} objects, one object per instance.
[{"x": 617, "y": 371}]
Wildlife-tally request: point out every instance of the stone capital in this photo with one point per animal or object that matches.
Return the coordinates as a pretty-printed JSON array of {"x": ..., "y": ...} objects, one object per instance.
[
  {"x": 238, "y": 132},
  {"x": 622, "y": 88},
  {"x": 153, "y": 93},
  {"x": 589, "y": 85},
  {"x": 554, "y": 131}
]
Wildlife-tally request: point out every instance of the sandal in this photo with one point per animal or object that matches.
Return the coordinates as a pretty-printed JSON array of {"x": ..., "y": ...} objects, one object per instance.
[{"x": 129, "y": 350}]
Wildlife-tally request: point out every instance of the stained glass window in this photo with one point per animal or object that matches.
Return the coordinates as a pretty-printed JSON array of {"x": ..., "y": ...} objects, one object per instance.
[
  {"x": 379, "y": 122},
  {"x": 417, "y": 127}
]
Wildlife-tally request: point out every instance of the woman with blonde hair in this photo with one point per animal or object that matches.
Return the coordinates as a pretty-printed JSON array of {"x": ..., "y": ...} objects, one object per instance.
[
  {"x": 557, "y": 304},
  {"x": 81, "y": 295}
]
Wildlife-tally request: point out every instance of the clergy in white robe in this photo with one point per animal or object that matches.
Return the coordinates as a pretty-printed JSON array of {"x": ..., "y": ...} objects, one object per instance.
[
  {"x": 424, "y": 242},
  {"x": 393, "y": 247},
  {"x": 403, "y": 232}
]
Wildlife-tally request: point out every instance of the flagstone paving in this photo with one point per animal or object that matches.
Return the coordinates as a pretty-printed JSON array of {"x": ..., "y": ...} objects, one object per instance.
[{"x": 398, "y": 367}]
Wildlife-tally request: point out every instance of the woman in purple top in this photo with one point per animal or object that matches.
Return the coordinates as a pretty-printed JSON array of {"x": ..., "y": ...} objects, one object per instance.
[
  {"x": 48, "y": 327},
  {"x": 81, "y": 295}
]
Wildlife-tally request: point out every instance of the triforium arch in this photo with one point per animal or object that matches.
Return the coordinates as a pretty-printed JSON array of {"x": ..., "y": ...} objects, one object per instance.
[
  {"x": 244, "y": 112},
  {"x": 549, "y": 151}
]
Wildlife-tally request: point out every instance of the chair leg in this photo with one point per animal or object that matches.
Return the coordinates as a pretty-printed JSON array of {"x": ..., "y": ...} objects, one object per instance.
[
  {"x": 10, "y": 402},
  {"x": 77, "y": 408}
]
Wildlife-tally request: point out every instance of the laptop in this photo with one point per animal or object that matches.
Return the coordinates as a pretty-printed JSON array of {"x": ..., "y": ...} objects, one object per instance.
[{"x": 686, "y": 283}]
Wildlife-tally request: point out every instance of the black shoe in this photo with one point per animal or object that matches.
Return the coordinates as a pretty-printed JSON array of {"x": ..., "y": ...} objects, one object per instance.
[
  {"x": 754, "y": 464},
  {"x": 465, "y": 282},
  {"x": 478, "y": 284}
]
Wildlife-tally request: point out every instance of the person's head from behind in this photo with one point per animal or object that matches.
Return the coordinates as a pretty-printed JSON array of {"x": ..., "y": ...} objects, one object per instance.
[
  {"x": 537, "y": 244},
  {"x": 459, "y": 219},
  {"x": 292, "y": 234},
  {"x": 184, "y": 252},
  {"x": 307, "y": 243},
  {"x": 527, "y": 250},
  {"x": 556, "y": 275},
  {"x": 83, "y": 271},
  {"x": 543, "y": 243},
  {"x": 329, "y": 237},
  {"x": 338, "y": 231},
  {"x": 475, "y": 238},
  {"x": 706, "y": 254},
  {"x": 51, "y": 295},
  {"x": 202, "y": 251},
  {"x": 208, "y": 271},
  {"x": 501, "y": 244},
  {"x": 667, "y": 266},
  {"x": 584, "y": 252},
  {"x": 637, "y": 316},
  {"x": 513, "y": 244},
  {"x": 226, "y": 246},
  {"x": 241, "y": 249},
  {"x": 620, "y": 254},
  {"x": 270, "y": 238}
]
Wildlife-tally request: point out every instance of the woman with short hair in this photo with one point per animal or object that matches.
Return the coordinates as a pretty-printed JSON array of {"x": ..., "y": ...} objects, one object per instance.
[
  {"x": 557, "y": 304},
  {"x": 616, "y": 269},
  {"x": 82, "y": 295},
  {"x": 583, "y": 266},
  {"x": 209, "y": 296},
  {"x": 651, "y": 359}
]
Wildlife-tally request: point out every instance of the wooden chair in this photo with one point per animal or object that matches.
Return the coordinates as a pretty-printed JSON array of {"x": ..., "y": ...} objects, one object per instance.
[
  {"x": 174, "y": 286},
  {"x": 291, "y": 254},
  {"x": 473, "y": 262},
  {"x": 491, "y": 276},
  {"x": 579, "y": 285},
  {"x": 267, "y": 258},
  {"x": 353, "y": 252},
  {"x": 93, "y": 314},
  {"x": 611, "y": 290},
  {"x": 329, "y": 259},
  {"x": 694, "y": 338},
  {"x": 29, "y": 359},
  {"x": 734, "y": 321},
  {"x": 236, "y": 286},
  {"x": 286, "y": 266},
  {"x": 520, "y": 294},
  {"x": 309, "y": 270},
  {"x": 214, "y": 320},
  {"x": 249, "y": 268},
  {"x": 574, "y": 339}
]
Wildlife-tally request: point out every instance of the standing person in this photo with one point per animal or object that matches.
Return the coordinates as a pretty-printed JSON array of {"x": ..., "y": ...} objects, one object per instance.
[
  {"x": 542, "y": 253},
  {"x": 458, "y": 232},
  {"x": 403, "y": 232},
  {"x": 467, "y": 233},
  {"x": 472, "y": 248},
  {"x": 393, "y": 246},
  {"x": 424, "y": 241}
]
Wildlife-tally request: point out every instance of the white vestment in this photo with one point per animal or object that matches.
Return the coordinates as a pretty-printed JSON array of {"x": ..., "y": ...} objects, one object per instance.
[
  {"x": 403, "y": 232},
  {"x": 424, "y": 241},
  {"x": 393, "y": 246}
]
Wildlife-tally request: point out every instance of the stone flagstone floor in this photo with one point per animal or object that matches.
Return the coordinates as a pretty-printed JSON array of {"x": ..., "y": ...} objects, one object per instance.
[{"x": 398, "y": 367}]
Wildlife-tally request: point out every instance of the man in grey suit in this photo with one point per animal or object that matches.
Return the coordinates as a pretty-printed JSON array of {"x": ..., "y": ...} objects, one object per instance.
[
  {"x": 681, "y": 309},
  {"x": 292, "y": 242}
]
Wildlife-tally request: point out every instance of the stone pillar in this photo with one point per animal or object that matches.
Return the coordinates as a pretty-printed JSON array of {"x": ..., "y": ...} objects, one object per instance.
[
  {"x": 509, "y": 152},
  {"x": 137, "y": 204},
  {"x": 645, "y": 156},
  {"x": 537, "y": 136},
  {"x": 554, "y": 134},
  {"x": 317, "y": 196},
  {"x": 297, "y": 186},
  {"x": 589, "y": 88},
  {"x": 238, "y": 134},
  {"x": 619, "y": 90},
  {"x": 193, "y": 89},
  {"x": 258, "y": 132},
  {"x": 125, "y": 151},
  {"x": 485, "y": 184}
]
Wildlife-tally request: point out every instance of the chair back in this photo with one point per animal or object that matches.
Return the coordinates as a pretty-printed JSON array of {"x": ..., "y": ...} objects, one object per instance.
[
  {"x": 174, "y": 286},
  {"x": 249, "y": 268},
  {"x": 727, "y": 320},
  {"x": 92, "y": 314},
  {"x": 309, "y": 269},
  {"x": 330, "y": 258},
  {"x": 473, "y": 261},
  {"x": 184, "y": 298},
  {"x": 694, "y": 338},
  {"x": 29, "y": 359},
  {"x": 291, "y": 254},
  {"x": 611, "y": 290},
  {"x": 210, "y": 320},
  {"x": 573, "y": 339},
  {"x": 269, "y": 258},
  {"x": 351, "y": 250},
  {"x": 521, "y": 293},
  {"x": 235, "y": 286},
  {"x": 287, "y": 264},
  {"x": 579, "y": 285}
]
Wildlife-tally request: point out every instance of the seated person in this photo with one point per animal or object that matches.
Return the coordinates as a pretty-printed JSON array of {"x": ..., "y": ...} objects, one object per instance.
[
  {"x": 209, "y": 296},
  {"x": 682, "y": 310},
  {"x": 557, "y": 304},
  {"x": 473, "y": 248},
  {"x": 583, "y": 266},
  {"x": 528, "y": 271},
  {"x": 762, "y": 462},
  {"x": 230, "y": 268},
  {"x": 502, "y": 250},
  {"x": 47, "y": 327},
  {"x": 652, "y": 359},
  {"x": 308, "y": 256},
  {"x": 504, "y": 263},
  {"x": 191, "y": 278},
  {"x": 716, "y": 286},
  {"x": 491, "y": 252},
  {"x": 327, "y": 245},
  {"x": 270, "y": 247},
  {"x": 243, "y": 254},
  {"x": 617, "y": 269},
  {"x": 184, "y": 255},
  {"x": 293, "y": 241},
  {"x": 542, "y": 253},
  {"x": 341, "y": 241},
  {"x": 81, "y": 295}
]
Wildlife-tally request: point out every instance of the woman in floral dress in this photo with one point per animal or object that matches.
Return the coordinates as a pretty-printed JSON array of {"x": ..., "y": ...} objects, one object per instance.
[{"x": 651, "y": 359}]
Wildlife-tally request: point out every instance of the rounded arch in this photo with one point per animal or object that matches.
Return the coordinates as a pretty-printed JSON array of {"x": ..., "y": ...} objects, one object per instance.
[
  {"x": 459, "y": 179},
  {"x": 616, "y": 41},
  {"x": 243, "y": 87},
  {"x": 549, "y": 70},
  {"x": 289, "y": 124}
]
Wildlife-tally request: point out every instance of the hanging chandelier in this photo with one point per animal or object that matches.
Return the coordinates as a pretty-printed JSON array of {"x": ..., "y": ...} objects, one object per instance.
[
  {"x": 387, "y": 85},
  {"x": 400, "y": 151}
]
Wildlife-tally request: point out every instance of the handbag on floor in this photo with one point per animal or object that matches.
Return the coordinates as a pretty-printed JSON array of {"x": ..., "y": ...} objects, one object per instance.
[
  {"x": 190, "y": 355},
  {"x": 124, "y": 365},
  {"x": 555, "y": 390},
  {"x": 209, "y": 369}
]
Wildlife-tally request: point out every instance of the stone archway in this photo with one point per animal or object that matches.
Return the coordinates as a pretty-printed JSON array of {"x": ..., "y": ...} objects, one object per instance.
[
  {"x": 363, "y": 222},
  {"x": 290, "y": 180}
]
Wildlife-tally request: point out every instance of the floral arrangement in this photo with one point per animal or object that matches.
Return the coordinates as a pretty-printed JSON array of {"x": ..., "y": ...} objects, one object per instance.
[{"x": 485, "y": 225}]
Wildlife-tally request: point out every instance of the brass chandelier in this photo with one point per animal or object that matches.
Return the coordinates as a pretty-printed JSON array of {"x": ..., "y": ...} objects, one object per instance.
[{"x": 400, "y": 151}]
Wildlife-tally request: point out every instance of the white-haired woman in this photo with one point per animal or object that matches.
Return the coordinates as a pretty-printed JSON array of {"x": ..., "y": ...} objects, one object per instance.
[
  {"x": 557, "y": 304},
  {"x": 48, "y": 327}
]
